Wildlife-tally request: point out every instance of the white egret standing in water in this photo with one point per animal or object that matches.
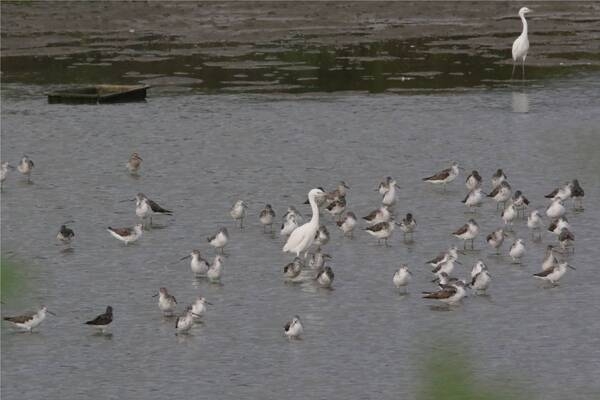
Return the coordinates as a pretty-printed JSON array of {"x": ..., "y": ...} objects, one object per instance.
[
  {"x": 521, "y": 44},
  {"x": 303, "y": 236}
]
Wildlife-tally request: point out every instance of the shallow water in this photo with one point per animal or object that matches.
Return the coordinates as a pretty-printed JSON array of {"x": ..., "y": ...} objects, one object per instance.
[{"x": 362, "y": 339}]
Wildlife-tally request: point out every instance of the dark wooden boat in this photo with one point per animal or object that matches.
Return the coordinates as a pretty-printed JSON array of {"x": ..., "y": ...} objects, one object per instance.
[{"x": 99, "y": 94}]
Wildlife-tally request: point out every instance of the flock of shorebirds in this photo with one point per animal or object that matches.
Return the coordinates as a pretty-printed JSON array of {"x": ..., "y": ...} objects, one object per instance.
[{"x": 305, "y": 240}]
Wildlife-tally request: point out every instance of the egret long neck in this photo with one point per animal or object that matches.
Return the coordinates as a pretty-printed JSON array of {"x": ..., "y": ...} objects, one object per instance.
[
  {"x": 524, "y": 33},
  {"x": 315, "y": 211}
]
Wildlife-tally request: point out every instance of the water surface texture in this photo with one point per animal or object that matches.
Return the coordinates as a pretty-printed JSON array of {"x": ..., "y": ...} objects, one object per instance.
[{"x": 362, "y": 339}]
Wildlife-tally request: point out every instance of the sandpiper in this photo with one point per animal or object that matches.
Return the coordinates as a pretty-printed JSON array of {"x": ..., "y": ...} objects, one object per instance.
[
  {"x": 4, "y": 171},
  {"x": 219, "y": 240},
  {"x": 266, "y": 217},
  {"x": 517, "y": 249},
  {"x": 238, "y": 212},
  {"x": 408, "y": 225},
  {"x": 477, "y": 268},
  {"x": 293, "y": 329},
  {"x": 467, "y": 232},
  {"x": 382, "y": 214},
  {"x": 134, "y": 163},
  {"x": 498, "y": 178},
  {"x": 340, "y": 191},
  {"x": 126, "y": 235},
  {"x": 321, "y": 236},
  {"x": 534, "y": 223},
  {"x": 509, "y": 214},
  {"x": 103, "y": 320},
  {"x": 28, "y": 321},
  {"x": 198, "y": 265},
  {"x": 289, "y": 224},
  {"x": 347, "y": 223},
  {"x": 474, "y": 199},
  {"x": 481, "y": 281},
  {"x": 199, "y": 307},
  {"x": 495, "y": 239},
  {"x": 550, "y": 260},
  {"x": 452, "y": 253},
  {"x": 65, "y": 235},
  {"x": 556, "y": 209},
  {"x": 566, "y": 239},
  {"x": 445, "y": 176},
  {"x": 337, "y": 207},
  {"x": 521, "y": 202},
  {"x": 166, "y": 302},
  {"x": 216, "y": 269},
  {"x": 446, "y": 266},
  {"x": 389, "y": 197},
  {"x": 324, "y": 277},
  {"x": 26, "y": 167},
  {"x": 449, "y": 294},
  {"x": 184, "y": 322},
  {"x": 402, "y": 277},
  {"x": 293, "y": 269},
  {"x": 563, "y": 193},
  {"x": 558, "y": 225},
  {"x": 473, "y": 181},
  {"x": 145, "y": 207},
  {"x": 382, "y": 230},
  {"x": 501, "y": 193},
  {"x": 317, "y": 259},
  {"x": 292, "y": 211},
  {"x": 577, "y": 194},
  {"x": 554, "y": 273}
]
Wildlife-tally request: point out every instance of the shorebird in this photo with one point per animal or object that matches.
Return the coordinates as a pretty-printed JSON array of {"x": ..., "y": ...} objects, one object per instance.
[
  {"x": 103, "y": 320},
  {"x": 449, "y": 294},
  {"x": 577, "y": 194},
  {"x": 340, "y": 191},
  {"x": 521, "y": 44},
  {"x": 389, "y": 197},
  {"x": 347, "y": 224},
  {"x": 166, "y": 302},
  {"x": 238, "y": 212},
  {"x": 216, "y": 269},
  {"x": 550, "y": 260},
  {"x": 28, "y": 321},
  {"x": 219, "y": 240},
  {"x": 322, "y": 236},
  {"x": 498, "y": 178},
  {"x": 566, "y": 239},
  {"x": 289, "y": 224},
  {"x": 563, "y": 193},
  {"x": 408, "y": 225},
  {"x": 467, "y": 232},
  {"x": 324, "y": 277},
  {"x": 558, "y": 225},
  {"x": 4, "y": 171},
  {"x": 554, "y": 273},
  {"x": 134, "y": 163},
  {"x": 26, "y": 167},
  {"x": 317, "y": 259},
  {"x": 477, "y": 268},
  {"x": 495, "y": 239},
  {"x": 446, "y": 266},
  {"x": 501, "y": 193},
  {"x": 481, "y": 281},
  {"x": 445, "y": 176},
  {"x": 336, "y": 207},
  {"x": 402, "y": 277},
  {"x": 556, "y": 209},
  {"x": 126, "y": 235},
  {"x": 382, "y": 214},
  {"x": 303, "y": 236},
  {"x": 521, "y": 202},
  {"x": 199, "y": 307},
  {"x": 473, "y": 181},
  {"x": 291, "y": 211},
  {"x": 65, "y": 235},
  {"x": 293, "y": 329},
  {"x": 382, "y": 230},
  {"x": 474, "y": 199},
  {"x": 509, "y": 214},
  {"x": 145, "y": 207},
  {"x": 293, "y": 269},
  {"x": 184, "y": 322},
  {"x": 198, "y": 265},
  {"x": 517, "y": 249},
  {"x": 534, "y": 223},
  {"x": 266, "y": 217},
  {"x": 452, "y": 253}
]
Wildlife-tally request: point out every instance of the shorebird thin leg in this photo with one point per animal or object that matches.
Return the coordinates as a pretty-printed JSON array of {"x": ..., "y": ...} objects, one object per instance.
[
  {"x": 513, "y": 70},
  {"x": 523, "y": 76}
]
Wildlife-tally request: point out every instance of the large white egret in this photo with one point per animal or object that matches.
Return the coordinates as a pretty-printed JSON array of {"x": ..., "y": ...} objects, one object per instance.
[
  {"x": 521, "y": 44},
  {"x": 303, "y": 236}
]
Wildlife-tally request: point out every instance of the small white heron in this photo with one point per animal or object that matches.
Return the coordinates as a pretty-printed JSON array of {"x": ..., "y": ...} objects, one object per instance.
[
  {"x": 521, "y": 44},
  {"x": 303, "y": 236}
]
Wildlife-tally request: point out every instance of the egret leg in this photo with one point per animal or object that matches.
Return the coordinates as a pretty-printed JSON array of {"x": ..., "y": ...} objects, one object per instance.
[
  {"x": 513, "y": 71},
  {"x": 523, "y": 77}
]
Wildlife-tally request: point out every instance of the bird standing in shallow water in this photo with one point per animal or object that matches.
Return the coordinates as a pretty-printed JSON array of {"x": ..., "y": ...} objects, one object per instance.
[
  {"x": 184, "y": 322},
  {"x": 520, "y": 46},
  {"x": 219, "y": 240},
  {"x": 4, "y": 171},
  {"x": 166, "y": 302},
  {"x": 473, "y": 181},
  {"x": 303, "y": 236},
  {"x": 408, "y": 225},
  {"x": 238, "y": 212},
  {"x": 534, "y": 223},
  {"x": 554, "y": 273},
  {"x": 450, "y": 294},
  {"x": 445, "y": 176},
  {"x": 198, "y": 265},
  {"x": 199, "y": 307},
  {"x": 145, "y": 207},
  {"x": 65, "y": 235},
  {"x": 382, "y": 230},
  {"x": 26, "y": 167},
  {"x": 517, "y": 249},
  {"x": 347, "y": 224},
  {"x": 495, "y": 239},
  {"x": 216, "y": 269},
  {"x": 467, "y": 232},
  {"x": 29, "y": 321},
  {"x": 324, "y": 277},
  {"x": 402, "y": 277},
  {"x": 577, "y": 194},
  {"x": 293, "y": 329},
  {"x": 134, "y": 163},
  {"x": 293, "y": 269},
  {"x": 126, "y": 235},
  {"x": 266, "y": 217},
  {"x": 103, "y": 320}
]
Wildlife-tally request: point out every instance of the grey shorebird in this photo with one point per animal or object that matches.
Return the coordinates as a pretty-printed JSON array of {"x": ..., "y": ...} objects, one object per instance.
[
  {"x": 134, "y": 163},
  {"x": 293, "y": 329},
  {"x": 103, "y": 320},
  {"x": 145, "y": 207},
  {"x": 166, "y": 302},
  {"x": 26, "y": 167},
  {"x": 28, "y": 321},
  {"x": 219, "y": 240},
  {"x": 266, "y": 217},
  {"x": 126, "y": 235},
  {"x": 445, "y": 176},
  {"x": 467, "y": 232},
  {"x": 238, "y": 212}
]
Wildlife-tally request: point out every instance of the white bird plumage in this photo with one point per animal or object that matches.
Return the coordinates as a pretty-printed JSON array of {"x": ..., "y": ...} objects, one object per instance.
[
  {"x": 303, "y": 236},
  {"x": 520, "y": 46}
]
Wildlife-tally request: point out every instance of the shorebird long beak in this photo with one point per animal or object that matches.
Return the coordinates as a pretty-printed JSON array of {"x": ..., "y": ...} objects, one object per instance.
[
  {"x": 572, "y": 267},
  {"x": 123, "y": 201},
  {"x": 398, "y": 186},
  {"x": 183, "y": 258},
  {"x": 327, "y": 256},
  {"x": 208, "y": 302},
  {"x": 10, "y": 166},
  {"x": 306, "y": 202},
  {"x": 196, "y": 315},
  {"x": 155, "y": 295},
  {"x": 50, "y": 312},
  {"x": 461, "y": 168},
  {"x": 458, "y": 262}
]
